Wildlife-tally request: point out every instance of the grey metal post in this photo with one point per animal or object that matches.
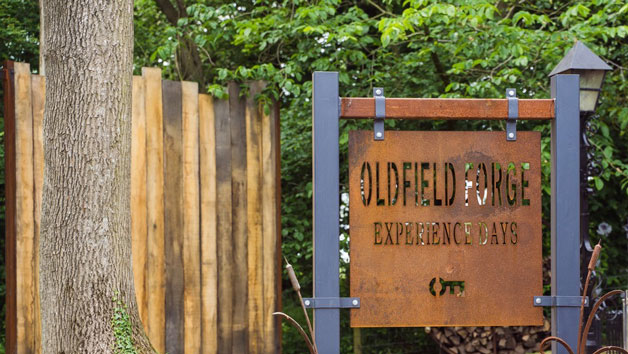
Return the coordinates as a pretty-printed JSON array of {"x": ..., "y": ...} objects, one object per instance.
[
  {"x": 565, "y": 206},
  {"x": 326, "y": 208}
]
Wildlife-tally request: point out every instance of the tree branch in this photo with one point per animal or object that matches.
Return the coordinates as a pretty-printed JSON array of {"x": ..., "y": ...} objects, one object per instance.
[
  {"x": 171, "y": 13},
  {"x": 383, "y": 11},
  {"x": 440, "y": 69},
  {"x": 182, "y": 10}
]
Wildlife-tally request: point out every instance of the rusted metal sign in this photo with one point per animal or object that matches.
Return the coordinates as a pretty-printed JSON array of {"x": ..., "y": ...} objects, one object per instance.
[{"x": 445, "y": 229}]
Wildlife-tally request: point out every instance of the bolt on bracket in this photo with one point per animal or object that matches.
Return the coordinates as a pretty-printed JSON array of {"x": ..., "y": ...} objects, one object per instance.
[
  {"x": 560, "y": 301},
  {"x": 332, "y": 302},
  {"x": 513, "y": 114},
  {"x": 380, "y": 113}
]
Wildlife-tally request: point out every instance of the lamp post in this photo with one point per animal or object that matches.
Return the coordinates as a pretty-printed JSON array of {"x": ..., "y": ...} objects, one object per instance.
[{"x": 582, "y": 61}]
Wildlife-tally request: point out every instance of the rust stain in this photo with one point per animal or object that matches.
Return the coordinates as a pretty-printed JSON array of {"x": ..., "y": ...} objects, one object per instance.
[
  {"x": 425, "y": 250},
  {"x": 446, "y": 108}
]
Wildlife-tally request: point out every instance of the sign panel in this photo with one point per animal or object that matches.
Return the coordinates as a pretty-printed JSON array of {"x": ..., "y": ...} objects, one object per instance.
[{"x": 445, "y": 229}]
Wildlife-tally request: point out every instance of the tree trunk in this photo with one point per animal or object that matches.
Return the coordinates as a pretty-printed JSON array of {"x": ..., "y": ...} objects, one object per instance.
[
  {"x": 85, "y": 248},
  {"x": 188, "y": 58},
  {"x": 190, "y": 62},
  {"x": 42, "y": 62}
]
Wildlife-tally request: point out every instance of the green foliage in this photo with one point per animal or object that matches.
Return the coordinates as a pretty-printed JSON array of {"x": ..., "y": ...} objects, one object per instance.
[
  {"x": 122, "y": 328},
  {"x": 414, "y": 48},
  {"x": 19, "y": 31}
]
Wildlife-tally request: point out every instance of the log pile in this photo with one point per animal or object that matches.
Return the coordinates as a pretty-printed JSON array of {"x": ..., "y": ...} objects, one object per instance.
[{"x": 487, "y": 340}]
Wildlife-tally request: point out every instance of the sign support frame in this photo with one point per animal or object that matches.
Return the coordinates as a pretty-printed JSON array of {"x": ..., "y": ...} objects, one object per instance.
[
  {"x": 565, "y": 206},
  {"x": 565, "y": 149},
  {"x": 326, "y": 202}
]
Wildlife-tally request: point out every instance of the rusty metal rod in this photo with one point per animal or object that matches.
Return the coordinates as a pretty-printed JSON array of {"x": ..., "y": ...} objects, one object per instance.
[
  {"x": 309, "y": 323},
  {"x": 609, "y": 348},
  {"x": 299, "y": 328},
  {"x": 598, "y": 303},
  {"x": 297, "y": 287},
  {"x": 591, "y": 267},
  {"x": 555, "y": 339},
  {"x": 446, "y": 108}
]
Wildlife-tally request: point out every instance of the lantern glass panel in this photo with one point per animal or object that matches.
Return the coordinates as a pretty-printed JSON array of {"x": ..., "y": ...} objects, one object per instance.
[
  {"x": 590, "y": 85},
  {"x": 591, "y": 79},
  {"x": 588, "y": 100}
]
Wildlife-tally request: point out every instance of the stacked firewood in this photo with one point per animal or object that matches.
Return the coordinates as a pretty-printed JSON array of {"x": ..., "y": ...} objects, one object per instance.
[
  {"x": 487, "y": 340},
  {"x": 500, "y": 340}
]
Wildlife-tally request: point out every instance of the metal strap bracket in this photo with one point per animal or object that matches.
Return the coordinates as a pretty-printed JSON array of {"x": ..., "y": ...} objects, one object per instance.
[
  {"x": 380, "y": 112},
  {"x": 332, "y": 302},
  {"x": 560, "y": 301},
  {"x": 513, "y": 114}
]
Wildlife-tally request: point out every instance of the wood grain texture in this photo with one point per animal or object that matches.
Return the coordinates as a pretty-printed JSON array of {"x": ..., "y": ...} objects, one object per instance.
[
  {"x": 224, "y": 242},
  {"x": 155, "y": 276},
  {"x": 191, "y": 222},
  {"x": 38, "y": 88},
  {"x": 138, "y": 196},
  {"x": 204, "y": 215},
  {"x": 8, "y": 84},
  {"x": 239, "y": 220},
  {"x": 254, "y": 220},
  {"x": 209, "y": 271},
  {"x": 25, "y": 224},
  {"x": 276, "y": 344},
  {"x": 270, "y": 222},
  {"x": 173, "y": 219},
  {"x": 446, "y": 108}
]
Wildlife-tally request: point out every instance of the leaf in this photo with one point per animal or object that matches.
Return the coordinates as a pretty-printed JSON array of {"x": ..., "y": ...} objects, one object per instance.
[
  {"x": 605, "y": 131},
  {"x": 385, "y": 38},
  {"x": 599, "y": 184}
]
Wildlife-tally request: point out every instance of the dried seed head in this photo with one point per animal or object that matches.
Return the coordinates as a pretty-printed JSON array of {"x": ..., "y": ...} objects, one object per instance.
[
  {"x": 595, "y": 256},
  {"x": 292, "y": 276}
]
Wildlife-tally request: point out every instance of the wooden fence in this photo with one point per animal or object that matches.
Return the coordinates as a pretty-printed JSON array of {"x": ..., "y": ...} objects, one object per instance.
[{"x": 205, "y": 215}]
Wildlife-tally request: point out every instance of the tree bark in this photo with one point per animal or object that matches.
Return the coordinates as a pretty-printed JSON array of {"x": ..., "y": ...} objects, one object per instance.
[
  {"x": 42, "y": 62},
  {"x": 187, "y": 55},
  {"x": 85, "y": 246}
]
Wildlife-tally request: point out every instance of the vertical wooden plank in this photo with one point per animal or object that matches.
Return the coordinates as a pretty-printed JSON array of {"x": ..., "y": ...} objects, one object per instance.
[
  {"x": 25, "y": 257},
  {"x": 270, "y": 226},
  {"x": 155, "y": 275},
  {"x": 238, "y": 191},
  {"x": 278, "y": 256},
  {"x": 209, "y": 275},
  {"x": 8, "y": 85},
  {"x": 38, "y": 88},
  {"x": 191, "y": 222},
  {"x": 254, "y": 220},
  {"x": 138, "y": 196},
  {"x": 224, "y": 242},
  {"x": 173, "y": 220}
]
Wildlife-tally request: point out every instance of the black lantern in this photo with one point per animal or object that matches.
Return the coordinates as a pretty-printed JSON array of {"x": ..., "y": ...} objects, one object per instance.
[{"x": 581, "y": 60}]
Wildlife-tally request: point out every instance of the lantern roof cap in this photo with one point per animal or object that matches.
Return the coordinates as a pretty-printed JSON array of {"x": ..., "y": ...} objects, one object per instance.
[{"x": 582, "y": 58}]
